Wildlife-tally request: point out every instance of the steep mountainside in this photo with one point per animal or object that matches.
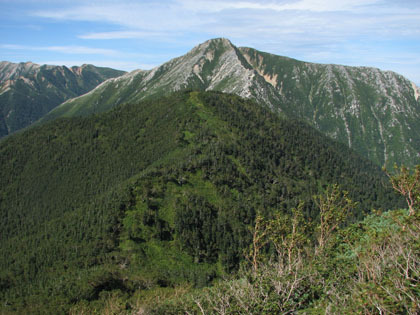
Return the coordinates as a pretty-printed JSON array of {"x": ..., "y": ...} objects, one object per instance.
[
  {"x": 376, "y": 113},
  {"x": 155, "y": 194},
  {"x": 28, "y": 91}
]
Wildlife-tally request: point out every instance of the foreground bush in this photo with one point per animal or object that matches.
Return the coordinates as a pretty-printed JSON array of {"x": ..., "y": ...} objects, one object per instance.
[{"x": 369, "y": 268}]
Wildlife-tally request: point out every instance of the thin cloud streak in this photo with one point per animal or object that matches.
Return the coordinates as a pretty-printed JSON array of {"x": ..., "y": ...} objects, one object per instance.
[
  {"x": 77, "y": 50},
  {"x": 303, "y": 5},
  {"x": 130, "y": 15},
  {"x": 121, "y": 35}
]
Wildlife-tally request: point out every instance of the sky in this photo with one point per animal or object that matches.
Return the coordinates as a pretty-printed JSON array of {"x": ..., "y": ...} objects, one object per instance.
[{"x": 142, "y": 34}]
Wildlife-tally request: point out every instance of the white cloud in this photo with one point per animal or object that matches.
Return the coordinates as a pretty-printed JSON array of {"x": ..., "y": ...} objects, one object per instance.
[
  {"x": 78, "y": 50},
  {"x": 302, "y": 5},
  {"x": 152, "y": 16},
  {"x": 12, "y": 47},
  {"x": 121, "y": 35}
]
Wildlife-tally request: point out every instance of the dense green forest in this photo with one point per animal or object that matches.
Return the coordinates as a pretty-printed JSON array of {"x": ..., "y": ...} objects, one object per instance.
[{"x": 162, "y": 198}]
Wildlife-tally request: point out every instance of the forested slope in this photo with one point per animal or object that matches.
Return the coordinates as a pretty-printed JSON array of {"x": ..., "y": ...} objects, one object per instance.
[{"x": 155, "y": 194}]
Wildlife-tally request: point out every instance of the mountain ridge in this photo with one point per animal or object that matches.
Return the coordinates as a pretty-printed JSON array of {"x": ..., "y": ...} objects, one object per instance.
[
  {"x": 157, "y": 193},
  {"x": 28, "y": 90},
  {"x": 375, "y": 112}
]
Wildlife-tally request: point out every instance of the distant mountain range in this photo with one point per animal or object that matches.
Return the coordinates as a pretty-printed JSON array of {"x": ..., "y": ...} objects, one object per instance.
[
  {"x": 28, "y": 91},
  {"x": 375, "y": 112}
]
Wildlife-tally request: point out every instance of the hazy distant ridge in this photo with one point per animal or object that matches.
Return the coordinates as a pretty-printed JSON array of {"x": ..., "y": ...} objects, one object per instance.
[{"x": 28, "y": 90}]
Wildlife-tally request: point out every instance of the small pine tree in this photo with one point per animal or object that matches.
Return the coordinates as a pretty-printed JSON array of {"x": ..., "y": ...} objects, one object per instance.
[
  {"x": 334, "y": 208},
  {"x": 407, "y": 183}
]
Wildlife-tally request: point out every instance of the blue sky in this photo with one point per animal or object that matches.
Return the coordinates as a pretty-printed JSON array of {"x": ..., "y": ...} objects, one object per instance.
[{"x": 130, "y": 34}]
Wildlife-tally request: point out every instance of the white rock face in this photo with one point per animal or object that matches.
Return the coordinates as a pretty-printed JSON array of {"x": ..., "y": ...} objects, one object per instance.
[
  {"x": 416, "y": 91},
  {"x": 13, "y": 71}
]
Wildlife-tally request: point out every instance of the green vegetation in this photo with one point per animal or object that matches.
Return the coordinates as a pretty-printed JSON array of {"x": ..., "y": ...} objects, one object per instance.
[
  {"x": 155, "y": 201},
  {"x": 407, "y": 184},
  {"x": 371, "y": 267}
]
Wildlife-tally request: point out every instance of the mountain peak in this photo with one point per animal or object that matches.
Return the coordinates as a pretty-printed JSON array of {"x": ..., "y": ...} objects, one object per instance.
[
  {"x": 372, "y": 111},
  {"x": 12, "y": 71},
  {"x": 219, "y": 40},
  {"x": 214, "y": 44},
  {"x": 29, "y": 64}
]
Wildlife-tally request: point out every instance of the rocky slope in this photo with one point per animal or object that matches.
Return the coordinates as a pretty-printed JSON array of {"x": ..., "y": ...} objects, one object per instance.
[
  {"x": 377, "y": 113},
  {"x": 28, "y": 91}
]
